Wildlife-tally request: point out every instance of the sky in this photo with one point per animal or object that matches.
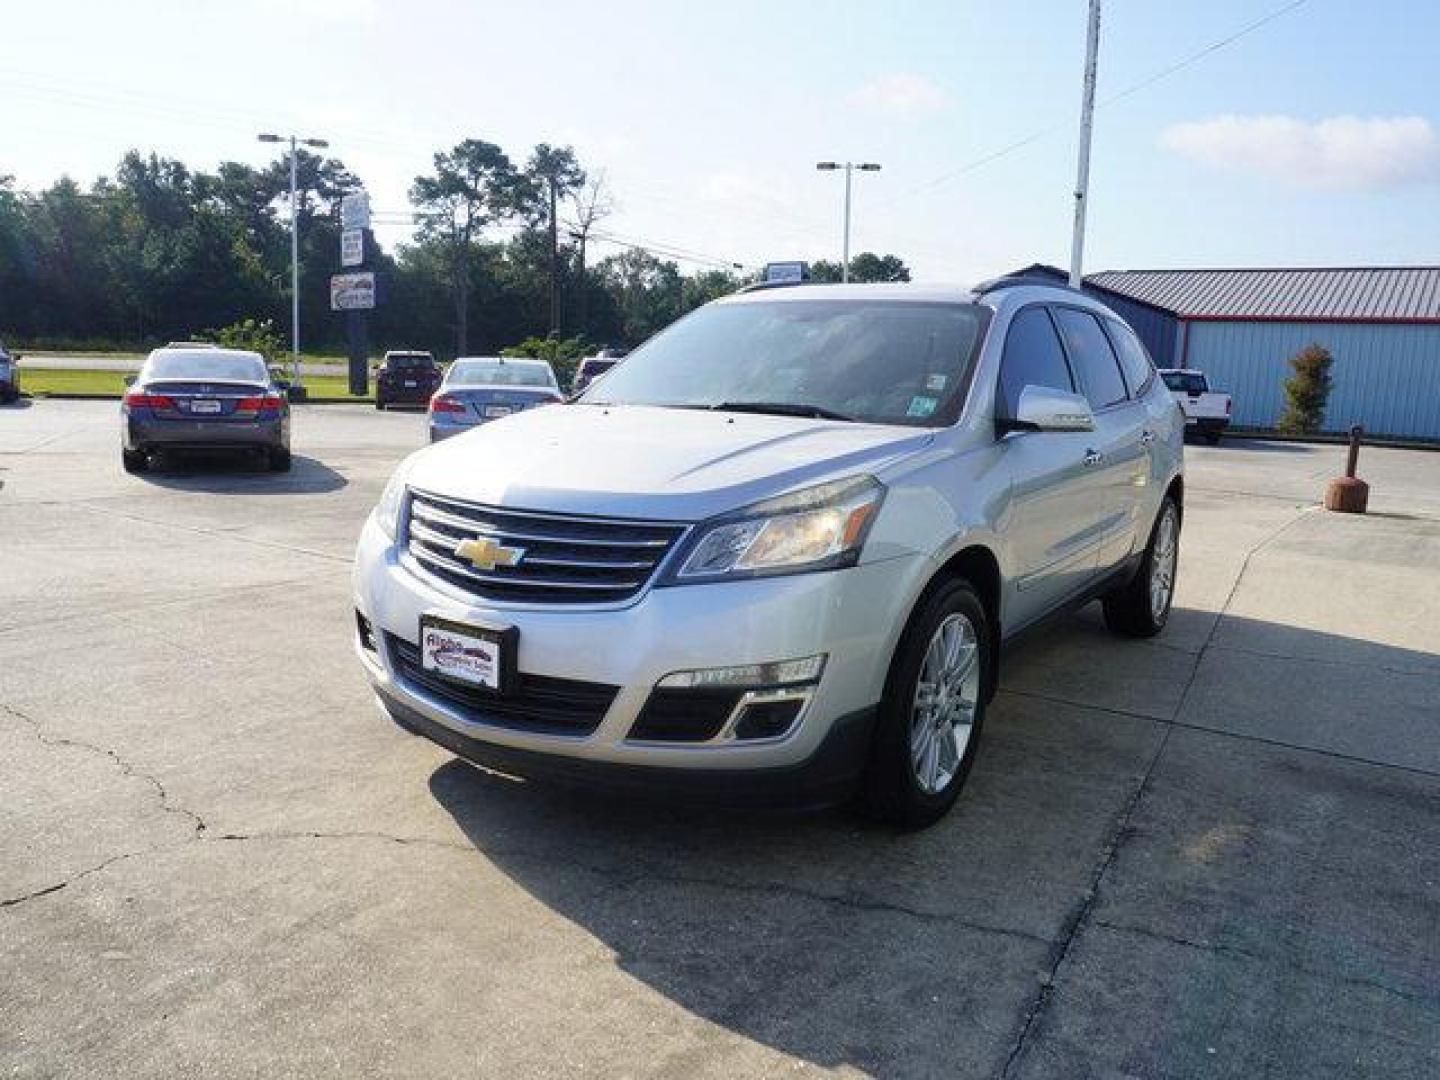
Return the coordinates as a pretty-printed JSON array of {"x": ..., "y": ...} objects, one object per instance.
[{"x": 1313, "y": 139}]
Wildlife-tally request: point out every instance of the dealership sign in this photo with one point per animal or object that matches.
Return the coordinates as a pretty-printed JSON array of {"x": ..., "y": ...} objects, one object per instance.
[
  {"x": 777, "y": 273},
  {"x": 352, "y": 247},
  {"x": 355, "y": 211},
  {"x": 352, "y": 292}
]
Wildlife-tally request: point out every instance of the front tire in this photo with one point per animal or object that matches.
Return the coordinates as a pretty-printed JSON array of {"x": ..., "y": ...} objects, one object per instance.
[
  {"x": 928, "y": 728},
  {"x": 1141, "y": 607}
]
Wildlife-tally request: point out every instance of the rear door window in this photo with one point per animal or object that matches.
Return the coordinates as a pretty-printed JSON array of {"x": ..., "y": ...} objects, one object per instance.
[
  {"x": 1095, "y": 364},
  {"x": 1032, "y": 357}
]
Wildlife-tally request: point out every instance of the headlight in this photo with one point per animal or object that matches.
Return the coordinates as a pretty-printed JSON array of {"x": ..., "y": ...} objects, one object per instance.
[
  {"x": 820, "y": 528},
  {"x": 392, "y": 499}
]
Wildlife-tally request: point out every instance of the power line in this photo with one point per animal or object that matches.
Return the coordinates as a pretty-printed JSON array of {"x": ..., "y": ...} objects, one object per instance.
[{"x": 1149, "y": 80}]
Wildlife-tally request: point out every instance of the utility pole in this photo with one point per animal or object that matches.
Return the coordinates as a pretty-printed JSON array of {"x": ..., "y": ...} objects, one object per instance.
[
  {"x": 1082, "y": 168},
  {"x": 319, "y": 144},
  {"x": 849, "y": 167},
  {"x": 554, "y": 260}
]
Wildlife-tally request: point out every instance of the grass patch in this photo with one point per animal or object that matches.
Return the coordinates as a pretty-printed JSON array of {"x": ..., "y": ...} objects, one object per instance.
[{"x": 112, "y": 384}]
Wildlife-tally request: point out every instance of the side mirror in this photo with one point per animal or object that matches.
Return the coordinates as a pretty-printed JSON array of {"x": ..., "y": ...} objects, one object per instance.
[
  {"x": 1044, "y": 409},
  {"x": 130, "y": 379}
]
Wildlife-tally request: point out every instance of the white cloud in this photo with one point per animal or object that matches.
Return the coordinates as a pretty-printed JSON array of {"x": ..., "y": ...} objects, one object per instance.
[
  {"x": 901, "y": 93},
  {"x": 1348, "y": 152}
]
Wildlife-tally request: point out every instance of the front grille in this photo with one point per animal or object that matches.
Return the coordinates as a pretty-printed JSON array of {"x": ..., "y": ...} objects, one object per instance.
[
  {"x": 536, "y": 703},
  {"x": 565, "y": 560}
]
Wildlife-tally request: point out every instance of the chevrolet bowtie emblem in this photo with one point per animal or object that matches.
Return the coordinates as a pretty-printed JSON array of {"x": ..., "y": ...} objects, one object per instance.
[{"x": 485, "y": 554}]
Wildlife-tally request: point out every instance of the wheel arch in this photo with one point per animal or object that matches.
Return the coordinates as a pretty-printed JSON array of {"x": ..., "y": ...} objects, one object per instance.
[{"x": 977, "y": 564}]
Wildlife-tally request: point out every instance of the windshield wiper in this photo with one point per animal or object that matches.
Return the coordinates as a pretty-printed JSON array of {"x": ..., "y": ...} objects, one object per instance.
[{"x": 782, "y": 408}]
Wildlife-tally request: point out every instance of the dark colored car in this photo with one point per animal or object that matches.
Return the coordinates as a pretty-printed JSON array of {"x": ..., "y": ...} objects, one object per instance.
[
  {"x": 204, "y": 399},
  {"x": 407, "y": 378},
  {"x": 592, "y": 367},
  {"x": 9, "y": 376}
]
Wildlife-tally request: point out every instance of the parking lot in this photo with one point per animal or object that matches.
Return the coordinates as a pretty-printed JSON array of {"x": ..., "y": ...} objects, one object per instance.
[{"x": 1215, "y": 853}]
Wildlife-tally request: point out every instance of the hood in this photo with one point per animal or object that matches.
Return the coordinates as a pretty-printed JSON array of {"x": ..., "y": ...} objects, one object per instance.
[{"x": 644, "y": 462}]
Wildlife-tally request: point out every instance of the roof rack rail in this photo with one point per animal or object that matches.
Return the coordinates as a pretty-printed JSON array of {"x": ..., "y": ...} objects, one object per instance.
[
  {"x": 760, "y": 286},
  {"x": 1010, "y": 281}
]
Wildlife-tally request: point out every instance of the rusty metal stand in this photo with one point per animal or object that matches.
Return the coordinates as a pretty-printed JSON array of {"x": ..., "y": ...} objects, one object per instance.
[{"x": 1347, "y": 494}]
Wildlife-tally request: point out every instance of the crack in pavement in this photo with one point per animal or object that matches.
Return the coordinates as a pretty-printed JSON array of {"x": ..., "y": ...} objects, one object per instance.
[
  {"x": 126, "y": 767},
  {"x": 1242, "y": 736},
  {"x": 1222, "y": 948},
  {"x": 1079, "y": 917},
  {"x": 621, "y": 877}
]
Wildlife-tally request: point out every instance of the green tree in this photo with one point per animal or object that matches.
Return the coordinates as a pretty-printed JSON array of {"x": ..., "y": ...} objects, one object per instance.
[
  {"x": 1307, "y": 391},
  {"x": 865, "y": 268},
  {"x": 647, "y": 292},
  {"x": 474, "y": 187},
  {"x": 555, "y": 174}
]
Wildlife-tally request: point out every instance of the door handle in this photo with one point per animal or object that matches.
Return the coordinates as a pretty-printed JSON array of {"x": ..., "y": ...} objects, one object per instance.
[
  {"x": 1092, "y": 457},
  {"x": 1146, "y": 438}
]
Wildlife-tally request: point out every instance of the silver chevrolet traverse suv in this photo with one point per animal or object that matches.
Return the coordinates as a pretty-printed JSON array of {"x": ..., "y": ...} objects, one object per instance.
[{"x": 773, "y": 556}]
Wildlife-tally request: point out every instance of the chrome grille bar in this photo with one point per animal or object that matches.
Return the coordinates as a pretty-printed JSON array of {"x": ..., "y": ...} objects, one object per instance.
[{"x": 561, "y": 558}]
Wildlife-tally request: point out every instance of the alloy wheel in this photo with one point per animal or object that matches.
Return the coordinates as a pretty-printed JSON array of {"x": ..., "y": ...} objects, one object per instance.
[{"x": 947, "y": 693}]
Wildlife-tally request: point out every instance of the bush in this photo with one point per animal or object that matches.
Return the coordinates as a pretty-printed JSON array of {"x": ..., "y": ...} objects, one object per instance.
[
  {"x": 563, "y": 354},
  {"x": 257, "y": 335},
  {"x": 1307, "y": 391}
]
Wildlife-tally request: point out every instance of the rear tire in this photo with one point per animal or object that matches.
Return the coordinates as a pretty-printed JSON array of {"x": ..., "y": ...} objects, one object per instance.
[
  {"x": 134, "y": 461},
  {"x": 930, "y": 719},
  {"x": 1213, "y": 438},
  {"x": 1141, "y": 607},
  {"x": 279, "y": 460},
  {"x": 379, "y": 405}
]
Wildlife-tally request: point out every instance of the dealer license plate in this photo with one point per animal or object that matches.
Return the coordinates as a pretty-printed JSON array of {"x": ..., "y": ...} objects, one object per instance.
[{"x": 475, "y": 655}]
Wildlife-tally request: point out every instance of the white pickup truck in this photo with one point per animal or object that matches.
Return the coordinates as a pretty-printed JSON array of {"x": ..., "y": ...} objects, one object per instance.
[{"x": 1207, "y": 412}]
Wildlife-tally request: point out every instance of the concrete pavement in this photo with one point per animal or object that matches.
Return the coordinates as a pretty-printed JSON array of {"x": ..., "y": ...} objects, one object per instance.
[{"x": 1216, "y": 853}]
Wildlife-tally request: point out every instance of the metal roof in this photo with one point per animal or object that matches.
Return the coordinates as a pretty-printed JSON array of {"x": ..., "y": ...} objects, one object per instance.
[{"x": 1340, "y": 294}]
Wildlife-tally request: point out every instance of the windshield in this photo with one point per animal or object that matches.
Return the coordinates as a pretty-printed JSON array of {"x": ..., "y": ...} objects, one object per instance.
[
  {"x": 1185, "y": 383},
  {"x": 881, "y": 361},
  {"x": 229, "y": 367},
  {"x": 496, "y": 373}
]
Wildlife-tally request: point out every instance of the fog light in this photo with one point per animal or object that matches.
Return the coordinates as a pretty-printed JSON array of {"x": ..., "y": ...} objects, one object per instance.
[{"x": 776, "y": 673}]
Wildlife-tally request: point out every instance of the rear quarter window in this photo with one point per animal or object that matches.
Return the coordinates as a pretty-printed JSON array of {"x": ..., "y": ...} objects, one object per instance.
[
  {"x": 1095, "y": 364},
  {"x": 1135, "y": 362}
]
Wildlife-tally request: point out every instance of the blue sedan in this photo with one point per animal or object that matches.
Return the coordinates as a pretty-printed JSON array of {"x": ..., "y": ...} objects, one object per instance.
[{"x": 478, "y": 389}]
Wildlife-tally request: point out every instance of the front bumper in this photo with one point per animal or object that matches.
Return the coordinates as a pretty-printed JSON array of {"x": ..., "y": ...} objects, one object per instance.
[{"x": 851, "y": 616}]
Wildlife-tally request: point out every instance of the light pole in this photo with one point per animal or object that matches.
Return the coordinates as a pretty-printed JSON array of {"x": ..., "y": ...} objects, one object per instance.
[
  {"x": 318, "y": 144},
  {"x": 1082, "y": 165},
  {"x": 849, "y": 167}
]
